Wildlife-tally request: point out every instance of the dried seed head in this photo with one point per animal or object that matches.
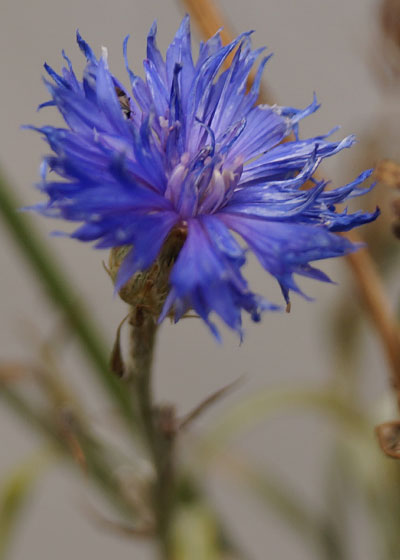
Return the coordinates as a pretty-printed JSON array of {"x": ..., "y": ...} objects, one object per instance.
[
  {"x": 390, "y": 20},
  {"x": 389, "y": 23},
  {"x": 389, "y": 438}
]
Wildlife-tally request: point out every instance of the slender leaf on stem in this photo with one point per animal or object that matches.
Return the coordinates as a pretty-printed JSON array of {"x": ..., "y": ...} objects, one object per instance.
[
  {"x": 97, "y": 465},
  {"x": 206, "y": 403},
  {"x": 258, "y": 407}
]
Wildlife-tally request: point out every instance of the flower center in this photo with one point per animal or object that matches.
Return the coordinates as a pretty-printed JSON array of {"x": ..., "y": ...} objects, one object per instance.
[{"x": 202, "y": 184}]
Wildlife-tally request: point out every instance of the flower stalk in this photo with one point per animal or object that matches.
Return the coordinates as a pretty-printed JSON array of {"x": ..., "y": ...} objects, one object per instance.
[{"x": 158, "y": 440}]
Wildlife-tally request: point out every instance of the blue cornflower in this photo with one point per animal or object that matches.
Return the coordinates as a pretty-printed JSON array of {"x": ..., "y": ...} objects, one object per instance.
[{"x": 187, "y": 148}]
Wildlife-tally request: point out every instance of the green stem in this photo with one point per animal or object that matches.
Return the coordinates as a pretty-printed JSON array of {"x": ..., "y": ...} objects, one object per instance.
[
  {"x": 158, "y": 440},
  {"x": 61, "y": 293},
  {"x": 143, "y": 335}
]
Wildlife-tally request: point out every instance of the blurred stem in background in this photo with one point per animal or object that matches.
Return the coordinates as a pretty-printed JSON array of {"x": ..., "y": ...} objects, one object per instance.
[
  {"x": 60, "y": 292},
  {"x": 15, "y": 492},
  {"x": 59, "y": 428},
  {"x": 318, "y": 528}
]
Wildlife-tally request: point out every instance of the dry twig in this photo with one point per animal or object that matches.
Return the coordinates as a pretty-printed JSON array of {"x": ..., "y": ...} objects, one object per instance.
[{"x": 209, "y": 20}]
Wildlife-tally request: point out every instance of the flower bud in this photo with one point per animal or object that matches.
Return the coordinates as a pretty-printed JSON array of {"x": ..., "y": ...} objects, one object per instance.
[{"x": 148, "y": 288}]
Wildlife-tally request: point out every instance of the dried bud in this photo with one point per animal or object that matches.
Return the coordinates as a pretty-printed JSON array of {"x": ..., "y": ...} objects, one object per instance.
[
  {"x": 389, "y": 16},
  {"x": 396, "y": 223},
  {"x": 390, "y": 20},
  {"x": 389, "y": 438},
  {"x": 396, "y": 229},
  {"x": 396, "y": 207},
  {"x": 388, "y": 171}
]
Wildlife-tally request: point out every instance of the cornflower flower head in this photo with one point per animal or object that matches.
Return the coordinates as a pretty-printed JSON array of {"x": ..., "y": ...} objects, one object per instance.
[{"x": 188, "y": 149}]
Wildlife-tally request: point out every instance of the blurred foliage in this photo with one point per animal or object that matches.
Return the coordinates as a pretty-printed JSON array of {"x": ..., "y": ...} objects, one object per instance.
[{"x": 15, "y": 494}]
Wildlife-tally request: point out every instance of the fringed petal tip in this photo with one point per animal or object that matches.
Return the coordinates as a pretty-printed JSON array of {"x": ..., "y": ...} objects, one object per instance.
[
  {"x": 46, "y": 104},
  {"x": 85, "y": 48},
  {"x": 60, "y": 233},
  {"x": 39, "y": 207}
]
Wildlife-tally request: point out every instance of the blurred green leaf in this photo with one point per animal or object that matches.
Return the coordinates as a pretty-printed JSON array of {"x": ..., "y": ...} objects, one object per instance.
[
  {"x": 53, "y": 278},
  {"x": 316, "y": 527},
  {"x": 372, "y": 480},
  {"x": 195, "y": 534},
  {"x": 269, "y": 489},
  {"x": 73, "y": 439},
  {"x": 255, "y": 409},
  {"x": 15, "y": 491}
]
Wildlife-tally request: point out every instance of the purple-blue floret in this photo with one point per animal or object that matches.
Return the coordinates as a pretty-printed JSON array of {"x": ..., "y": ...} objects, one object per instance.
[{"x": 188, "y": 147}]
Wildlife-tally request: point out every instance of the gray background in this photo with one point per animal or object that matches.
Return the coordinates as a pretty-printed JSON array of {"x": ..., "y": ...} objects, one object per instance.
[{"x": 320, "y": 45}]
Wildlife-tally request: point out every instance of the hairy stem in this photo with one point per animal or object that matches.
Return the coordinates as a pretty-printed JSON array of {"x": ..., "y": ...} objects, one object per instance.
[{"x": 158, "y": 439}]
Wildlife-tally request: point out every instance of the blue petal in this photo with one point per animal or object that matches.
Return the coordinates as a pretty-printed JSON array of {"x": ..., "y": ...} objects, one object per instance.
[
  {"x": 264, "y": 130},
  {"x": 207, "y": 276},
  {"x": 148, "y": 235},
  {"x": 139, "y": 88},
  {"x": 180, "y": 52},
  {"x": 157, "y": 89},
  {"x": 59, "y": 80},
  {"x": 107, "y": 99},
  {"x": 291, "y": 156},
  {"x": 154, "y": 55},
  {"x": 69, "y": 75},
  {"x": 277, "y": 200},
  {"x": 284, "y": 249},
  {"x": 85, "y": 48}
]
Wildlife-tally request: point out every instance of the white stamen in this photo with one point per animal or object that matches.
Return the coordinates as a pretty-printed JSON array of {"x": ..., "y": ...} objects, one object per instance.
[{"x": 104, "y": 53}]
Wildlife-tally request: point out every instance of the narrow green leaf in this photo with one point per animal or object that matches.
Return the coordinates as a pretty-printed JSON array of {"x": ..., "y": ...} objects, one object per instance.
[
  {"x": 15, "y": 491},
  {"x": 97, "y": 464},
  {"x": 61, "y": 294},
  {"x": 195, "y": 534}
]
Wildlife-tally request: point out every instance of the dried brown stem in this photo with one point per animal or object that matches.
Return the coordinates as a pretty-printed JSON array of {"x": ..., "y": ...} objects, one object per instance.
[
  {"x": 11, "y": 372},
  {"x": 209, "y": 20},
  {"x": 373, "y": 297},
  {"x": 370, "y": 287}
]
